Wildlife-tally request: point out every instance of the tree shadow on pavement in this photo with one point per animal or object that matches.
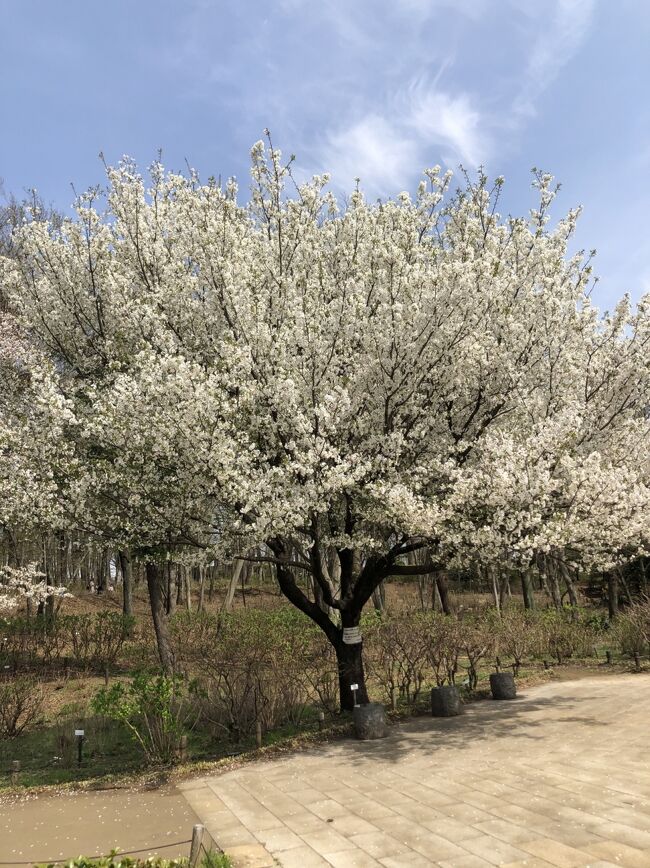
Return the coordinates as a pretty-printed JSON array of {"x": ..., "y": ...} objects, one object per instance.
[{"x": 489, "y": 720}]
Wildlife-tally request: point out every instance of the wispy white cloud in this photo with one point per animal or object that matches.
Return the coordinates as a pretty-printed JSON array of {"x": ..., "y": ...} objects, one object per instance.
[
  {"x": 378, "y": 89},
  {"x": 372, "y": 149},
  {"x": 450, "y": 121},
  {"x": 559, "y": 36},
  {"x": 386, "y": 148}
]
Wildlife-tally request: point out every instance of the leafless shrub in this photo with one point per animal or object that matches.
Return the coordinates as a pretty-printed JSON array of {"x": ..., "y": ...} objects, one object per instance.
[{"x": 21, "y": 704}]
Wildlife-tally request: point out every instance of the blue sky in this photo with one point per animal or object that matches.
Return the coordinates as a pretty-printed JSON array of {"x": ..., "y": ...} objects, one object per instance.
[{"x": 371, "y": 88}]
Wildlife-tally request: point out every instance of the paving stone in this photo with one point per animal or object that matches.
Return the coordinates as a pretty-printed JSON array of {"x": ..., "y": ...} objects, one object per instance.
[
  {"x": 620, "y": 854},
  {"x": 504, "y": 831},
  {"x": 406, "y": 860},
  {"x": 494, "y": 852},
  {"x": 530, "y": 862},
  {"x": 556, "y": 853},
  {"x": 327, "y": 841},
  {"x": 535, "y": 784},
  {"x": 250, "y": 856},
  {"x": 300, "y": 857},
  {"x": 452, "y": 830},
  {"x": 624, "y": 834},
  {"x": 352, "y": 825},
  {"x": 279, "y": 839},
  {"x": 379, "y": 844},
  {"x": 327, "y": 809},
  {"x": 349, "y": 859},
  {"x": 468, "y": 861}
]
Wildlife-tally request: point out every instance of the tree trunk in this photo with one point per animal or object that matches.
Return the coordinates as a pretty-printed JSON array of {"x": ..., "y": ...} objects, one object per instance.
[
  {"x": 349, "y": 659},
  {"x": 549, "y": 578},
  {"x": 180, "y": 586},
  {"x": 612, "y": 594},
  {"x": 127, "y": 583},
  {"x": 571, "y": 591},
  {"x": 187, "y": 579},
  {"x": 238, "y": 565},
  {"x": 643, "y": 582},
  {"x": 495, "y": 588},
  {"x": 201, "y": 588},
  {"x": 379, "y": 598},
  {"x": 156, "y": 580},
  {"x": 504, "y": 590},
  {"x": 169, "y": 592},
  {"x": 104, "y": 572},
  {"x": 442, "y": 585},
  {"x": 527, "y": 589}
]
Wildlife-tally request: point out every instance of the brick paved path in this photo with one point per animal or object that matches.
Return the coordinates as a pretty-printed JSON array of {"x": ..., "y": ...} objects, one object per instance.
[{"x": 559, "y": 777}]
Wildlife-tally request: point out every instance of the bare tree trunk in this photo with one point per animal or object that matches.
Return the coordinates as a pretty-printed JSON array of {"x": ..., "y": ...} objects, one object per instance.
[
  {"x": 180, "y": 585},
  {"x": 612, "y": 594},
  {"x": 643, "y": 581},
  {"x": 157, "y": 578},
  {"x": 188, "y": 589},
  {"x": 201, "y": 588},
  {"x": 626, "y": 587},
  {"x": 104, "y": 572},
  {"x": 238, "y": 566},
  {"x": 568, "y": 581},
  {"x": 379, "y": 598},
  {"x": 422, "y": 591},
  {"x": 436, "y": 602},
  {"x": 442, "y": 586},
  {"x": 127, "y": 582},
  {"x": 504, "y": 589},
  {"x": 549, "y": 580},
  {"x": 495, "y": 588},
  {"x": 527, "y": 588},
  {"x": 170, "y": 596}
]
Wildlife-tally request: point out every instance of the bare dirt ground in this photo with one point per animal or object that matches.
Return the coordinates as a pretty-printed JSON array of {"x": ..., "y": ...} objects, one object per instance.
[{"x": 43, "y": 828}]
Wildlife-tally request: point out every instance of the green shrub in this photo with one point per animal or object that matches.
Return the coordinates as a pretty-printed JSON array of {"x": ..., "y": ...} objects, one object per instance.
[
  {"x": 209, "y": 860},
  {"x": 155, "y": 710}
]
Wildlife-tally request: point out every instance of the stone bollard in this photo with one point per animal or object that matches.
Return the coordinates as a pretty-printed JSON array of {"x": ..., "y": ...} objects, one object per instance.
[
  {"x": 15, "y": 771},
  {"x": 370, "y": 721},
  {"x": 502, "y": 685},
  {"x": 445, "y": 701}
]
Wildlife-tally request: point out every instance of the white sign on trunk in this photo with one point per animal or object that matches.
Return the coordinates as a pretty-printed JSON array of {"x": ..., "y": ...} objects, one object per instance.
[{"x": 351, "y": 635}]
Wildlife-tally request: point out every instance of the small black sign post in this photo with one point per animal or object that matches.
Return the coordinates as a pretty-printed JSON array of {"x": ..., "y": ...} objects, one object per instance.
[{"x": 80, "y": 734}]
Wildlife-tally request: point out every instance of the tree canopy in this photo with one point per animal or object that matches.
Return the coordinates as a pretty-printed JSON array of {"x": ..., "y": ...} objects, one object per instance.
[{"x": 353, "y": 391}]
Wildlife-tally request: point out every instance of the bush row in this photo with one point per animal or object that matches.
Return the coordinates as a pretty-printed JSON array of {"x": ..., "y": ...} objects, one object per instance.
[
  {"x": 94, "y": 641},
  {"x": 274, "y": 667}
]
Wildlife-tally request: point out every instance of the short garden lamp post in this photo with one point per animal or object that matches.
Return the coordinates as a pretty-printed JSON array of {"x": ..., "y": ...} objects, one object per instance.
[{"x": 354, "y": 688}]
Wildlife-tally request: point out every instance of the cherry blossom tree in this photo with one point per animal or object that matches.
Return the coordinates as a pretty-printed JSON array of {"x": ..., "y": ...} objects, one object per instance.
[{"x": 335, "y": 388}]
